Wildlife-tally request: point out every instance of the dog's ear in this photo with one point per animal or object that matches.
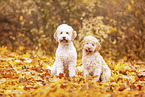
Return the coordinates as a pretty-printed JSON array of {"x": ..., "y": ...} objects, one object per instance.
[
  {"x": 74, "y": 34},
  {"x": 55, "y": 36},
  {"x": 98, "y": 47},
  {"x": 82, "y": 43}
]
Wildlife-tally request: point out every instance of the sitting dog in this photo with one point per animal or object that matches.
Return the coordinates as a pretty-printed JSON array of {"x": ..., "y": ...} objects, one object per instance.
[
  {"x": 66, "y": 54},
  {"x": 93, "y": 63}
]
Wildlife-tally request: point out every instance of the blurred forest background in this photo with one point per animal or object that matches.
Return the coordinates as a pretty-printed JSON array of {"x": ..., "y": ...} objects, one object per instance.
[{"x": 28, "y": 25}]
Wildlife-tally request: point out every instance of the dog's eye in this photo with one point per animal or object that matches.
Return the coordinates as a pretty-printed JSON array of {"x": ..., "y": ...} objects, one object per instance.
[
  {"x": 61, "y": 32},
  {"x": 67, "y": 33},
  {"x": 92, "y": 44}
]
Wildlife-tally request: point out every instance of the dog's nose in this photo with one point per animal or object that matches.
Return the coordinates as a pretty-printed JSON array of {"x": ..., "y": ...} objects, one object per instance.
[
  {"x": 63, "y": 38},
  {"x": 89, "y": 48}
]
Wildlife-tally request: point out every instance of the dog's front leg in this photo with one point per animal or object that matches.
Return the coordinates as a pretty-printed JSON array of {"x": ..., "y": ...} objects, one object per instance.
[
  {"x": 97, "y": 72},
  {"x": 72, "y": 69},
  {"x": 86, "y": 72},
  {"x": 105, "y": 74},
  {"x": 53, "y": 70},
  {"x": 60, "y": 68}
]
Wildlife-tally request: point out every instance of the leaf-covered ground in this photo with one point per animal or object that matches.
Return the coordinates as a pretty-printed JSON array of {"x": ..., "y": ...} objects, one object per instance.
[{"x": 22, "y": 75}]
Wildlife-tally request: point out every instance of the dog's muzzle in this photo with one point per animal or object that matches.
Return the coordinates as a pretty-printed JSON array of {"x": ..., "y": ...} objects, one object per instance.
[
  {"x": 64, "y": 40},
  {"x": 88, "y": 50}
]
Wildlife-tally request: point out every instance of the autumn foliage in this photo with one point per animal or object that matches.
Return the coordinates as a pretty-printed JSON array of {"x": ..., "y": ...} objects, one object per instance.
[
  {"x": 118, "y": 24},
  {"x": 23, "y": 75},
  {"x": 27, "y": 47}
]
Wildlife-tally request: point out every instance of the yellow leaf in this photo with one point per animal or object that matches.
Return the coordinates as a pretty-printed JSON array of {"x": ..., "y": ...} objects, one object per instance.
[
  {"x": 21, "y": 87},
  {"x": 21, "y": 75},
  {"x": 24, "y": 20},
  {"x": 116, "y": 76},
  {"x": 113, "y": 29},
  {"x": 31, "y": 22},
  {"x": 118, "y": 67},
  {"x": 129, "y": 7},
  {"x": 28, "y": 76},
  {"x": 16, "y": 42},
  {"x": 124, "y": 58},
  {"x": 45, "y": 66},
  {"x": 85, "y": 1},
  {"x": 12, "y": 62},
  {"x": 22, "y": 23},
  {"x": 38, "y": 84},
  {"x": 21, "y": 48},
  {"x": 2, "y": 80},
  {"x": 107, "y": 18},
  {"x": 8, "y": 91},
  {"x": 126, "y": 64},
  {"x": 26, "y": 55},
  {"x": 21, "y": 18},
  {"x": 27, "y": 60},
  {"x": 41, "y": 62},
  {"x": 132, "y": 2},
  {"x": 3, "y": 49},
  {"x": 48, "y": 59}
]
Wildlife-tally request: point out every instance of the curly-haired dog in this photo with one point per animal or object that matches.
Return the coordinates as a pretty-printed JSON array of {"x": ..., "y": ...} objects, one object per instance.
[
  {"x": 92, "y": 61},
  {"x": 66, "y": 54}
]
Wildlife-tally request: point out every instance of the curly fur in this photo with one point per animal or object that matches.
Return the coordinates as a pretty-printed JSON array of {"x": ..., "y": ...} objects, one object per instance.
[
  {"x": 66, "y": 54},
  {"x": 92, "y": 61}
]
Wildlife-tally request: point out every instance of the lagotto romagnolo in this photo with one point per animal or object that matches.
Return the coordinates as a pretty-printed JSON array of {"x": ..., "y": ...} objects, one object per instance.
[
  {"x": 93, "y": 63},
  {"x": 66, "y": 54}
]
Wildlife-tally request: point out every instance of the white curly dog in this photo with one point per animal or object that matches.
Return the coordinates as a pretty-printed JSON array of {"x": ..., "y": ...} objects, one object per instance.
[
  {"x": 66, "y": 54},
  {"x": 93, "y": 63}
]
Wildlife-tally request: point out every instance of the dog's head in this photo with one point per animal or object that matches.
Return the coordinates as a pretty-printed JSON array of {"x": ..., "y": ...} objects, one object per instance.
[
  {"x": 64, "y": 33},
  {"x": 90, "y": 44}
]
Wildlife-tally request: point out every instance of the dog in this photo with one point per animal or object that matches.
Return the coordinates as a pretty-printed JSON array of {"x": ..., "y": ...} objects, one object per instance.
[
  {"x": 66, "y": 55},
  {"x": 93, "y": 63}
]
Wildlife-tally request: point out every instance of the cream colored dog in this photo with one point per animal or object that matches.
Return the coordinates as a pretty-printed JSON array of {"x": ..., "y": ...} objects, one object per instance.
[
  {"x": 66, "y": 54},
  {"x": 93, "y": 63}
]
